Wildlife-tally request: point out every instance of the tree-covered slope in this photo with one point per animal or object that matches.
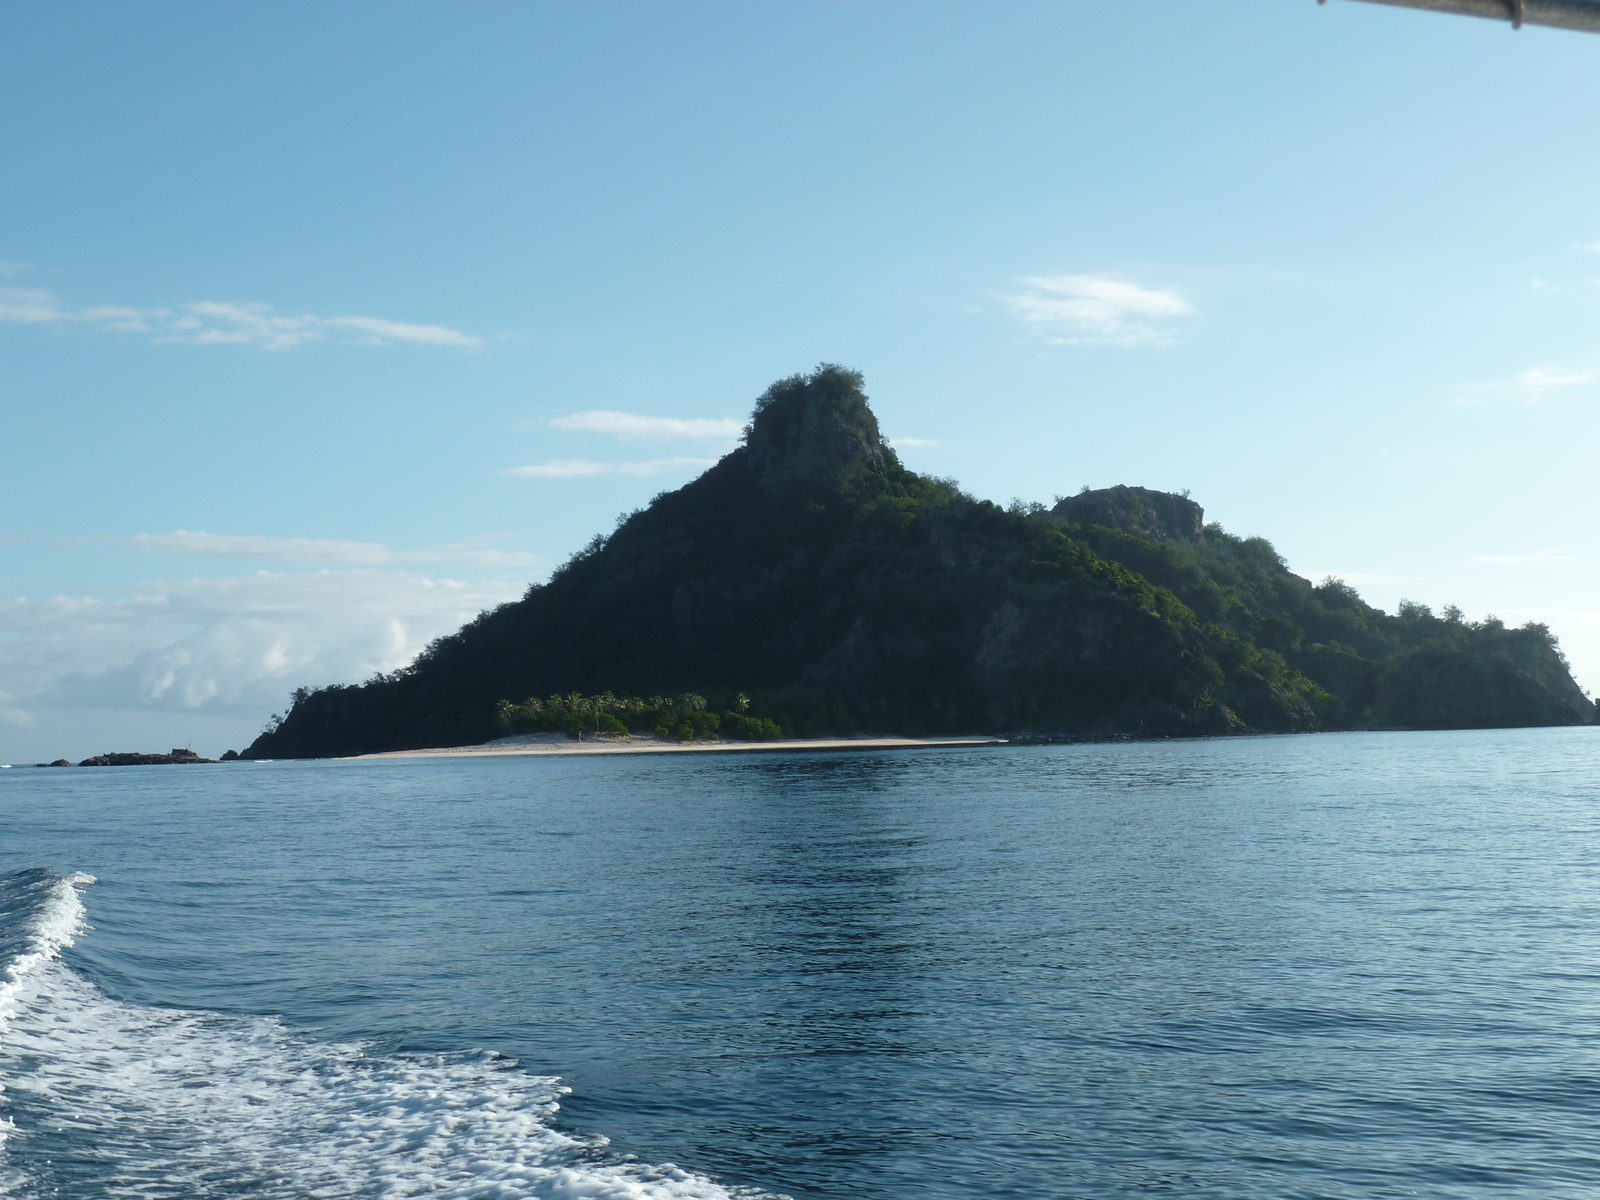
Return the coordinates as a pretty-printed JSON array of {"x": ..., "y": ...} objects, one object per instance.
[
  {"x": 1412, "y": 670},
  {"x": 841, "y": 591}
]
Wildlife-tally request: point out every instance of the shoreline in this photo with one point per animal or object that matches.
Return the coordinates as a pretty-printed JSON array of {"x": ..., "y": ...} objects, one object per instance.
[{"x": 548, "y": 746}]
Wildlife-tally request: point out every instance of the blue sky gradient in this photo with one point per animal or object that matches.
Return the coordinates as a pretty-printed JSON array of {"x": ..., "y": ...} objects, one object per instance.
[{"x": 322, "y": 283}]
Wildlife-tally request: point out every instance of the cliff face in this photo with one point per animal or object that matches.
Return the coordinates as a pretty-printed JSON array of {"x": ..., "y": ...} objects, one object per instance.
[
  {"x": 811, "y": 570},
  {"x": 813, "y": 434},
  {"x": 1156, "y": 516}
]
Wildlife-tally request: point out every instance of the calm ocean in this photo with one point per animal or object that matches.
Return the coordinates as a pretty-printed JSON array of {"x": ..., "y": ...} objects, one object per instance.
[{"x": 1344, "y": 965}]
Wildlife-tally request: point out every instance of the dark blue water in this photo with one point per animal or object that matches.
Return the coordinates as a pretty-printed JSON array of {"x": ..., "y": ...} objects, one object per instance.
[{"x": 1326, "y": 966}]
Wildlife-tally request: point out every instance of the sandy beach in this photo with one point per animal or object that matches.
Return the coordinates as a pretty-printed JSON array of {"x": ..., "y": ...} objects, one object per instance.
[{"x": 558, "y": 743}]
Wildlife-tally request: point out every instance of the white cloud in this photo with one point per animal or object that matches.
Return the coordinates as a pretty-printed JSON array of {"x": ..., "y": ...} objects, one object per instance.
[
  {"x": 633, "y": 426},
  {"x": 1080, "y": 310},
  {"x": 656, "y": 466},
  {"x": 1540, "y": 380},
  {"x": 221, "y": 646},
  {"x": 913, "y": 442},
  {"x": 1592, "y": 247},
  {"x": 328, "y": 550},
  {"x": 28, "y": 305},
  {"x": 212, "y": 322},
  {"x": 1529, "y": 387},
  {"x": 10, "y": 270},
  {"x": 578, "y": 468},
  {"x": 1537, "y": 556},
  {"x": 571, "y": 468},
  {"x": 377, "y": 331}
]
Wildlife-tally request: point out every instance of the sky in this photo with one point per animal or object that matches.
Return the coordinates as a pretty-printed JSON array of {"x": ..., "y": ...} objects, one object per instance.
[{"x": 324, "y": 327}]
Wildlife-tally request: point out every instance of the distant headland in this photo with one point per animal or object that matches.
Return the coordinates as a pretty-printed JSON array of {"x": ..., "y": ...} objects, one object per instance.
[{"x": 808, "y": 584}]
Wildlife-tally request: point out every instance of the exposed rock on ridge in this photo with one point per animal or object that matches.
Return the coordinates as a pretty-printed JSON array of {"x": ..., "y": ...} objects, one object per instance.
[
  {"x": 812, "y": 432},
  {"x": 1158, "y": 516}
]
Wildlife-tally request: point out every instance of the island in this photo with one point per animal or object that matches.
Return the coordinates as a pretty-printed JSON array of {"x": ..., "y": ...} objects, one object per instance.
[
  {"x": 810, "y": 585},
  {"x": 133, "y": 758}
]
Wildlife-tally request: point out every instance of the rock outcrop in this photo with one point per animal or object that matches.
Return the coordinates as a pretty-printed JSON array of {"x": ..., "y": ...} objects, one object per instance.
[
  {"x": 812, "y": 432},
  {"x": 1158, "y": 516}
]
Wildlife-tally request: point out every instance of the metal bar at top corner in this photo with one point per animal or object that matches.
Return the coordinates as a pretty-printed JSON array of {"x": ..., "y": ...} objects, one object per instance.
[{"x": 1583, "y": 15}]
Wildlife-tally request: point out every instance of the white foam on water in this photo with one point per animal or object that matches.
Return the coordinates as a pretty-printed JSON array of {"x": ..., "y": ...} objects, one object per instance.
[
  {"x": 40, "y": 913},
  {"x": 114, "y": 1099}
]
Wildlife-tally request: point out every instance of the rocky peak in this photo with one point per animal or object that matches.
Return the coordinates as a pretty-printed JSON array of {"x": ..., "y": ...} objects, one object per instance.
[
  {"x": 813, "y": 429},
  {"x": 1158, "y": 516}
]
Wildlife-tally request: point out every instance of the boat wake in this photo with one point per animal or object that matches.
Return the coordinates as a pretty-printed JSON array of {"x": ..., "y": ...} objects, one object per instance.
[{"x": 103, "y": 1098}]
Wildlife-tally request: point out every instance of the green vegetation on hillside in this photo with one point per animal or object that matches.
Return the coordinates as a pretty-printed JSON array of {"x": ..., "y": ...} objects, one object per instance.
[
  {"x": 1411, "y": 670},
  {"x": 812, "y": 572},
  {"x": 678, "y": 718}
]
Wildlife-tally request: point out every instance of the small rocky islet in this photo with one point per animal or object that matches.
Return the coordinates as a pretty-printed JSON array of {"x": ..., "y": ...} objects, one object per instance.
[{"x": 135, "y": 758}]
